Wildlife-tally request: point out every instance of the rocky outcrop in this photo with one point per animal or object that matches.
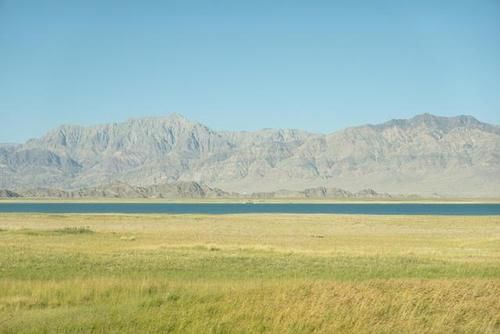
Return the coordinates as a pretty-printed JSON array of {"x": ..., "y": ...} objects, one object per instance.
[
  {"x": 190, "y": 190},
  {"x": 322, "y": 193},
  {"x": 124, "y": 190},
  {"x": 4, "y": 193}
]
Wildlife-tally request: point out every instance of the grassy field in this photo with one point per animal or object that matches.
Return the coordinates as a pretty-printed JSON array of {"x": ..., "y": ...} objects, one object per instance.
[{"x": 249, "y": 274}]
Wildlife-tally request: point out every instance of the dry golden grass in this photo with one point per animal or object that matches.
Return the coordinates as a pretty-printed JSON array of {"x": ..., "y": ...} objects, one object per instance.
[{"x": 249, "y": 274}]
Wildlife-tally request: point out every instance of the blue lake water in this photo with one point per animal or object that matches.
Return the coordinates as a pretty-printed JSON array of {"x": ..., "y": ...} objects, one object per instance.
[{"x": 249, "y": 208}]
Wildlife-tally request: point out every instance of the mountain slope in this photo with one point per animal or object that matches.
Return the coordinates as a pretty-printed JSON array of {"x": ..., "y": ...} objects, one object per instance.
[
  {"x": 123, "y": 190},
  {"x": 457, "y": 156},
  {"x": 4, "y": 193}
]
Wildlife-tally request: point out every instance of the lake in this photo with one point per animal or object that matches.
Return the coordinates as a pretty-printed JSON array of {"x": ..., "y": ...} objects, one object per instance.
[{"x": 474, "y": 209}]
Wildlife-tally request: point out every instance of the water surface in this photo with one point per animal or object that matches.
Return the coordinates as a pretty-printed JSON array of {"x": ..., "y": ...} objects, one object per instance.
[{"x": 474, "y": 209}]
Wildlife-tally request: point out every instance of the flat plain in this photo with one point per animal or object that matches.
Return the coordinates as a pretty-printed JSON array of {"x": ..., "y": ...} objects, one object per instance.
[{"x": 249, "y": 274}]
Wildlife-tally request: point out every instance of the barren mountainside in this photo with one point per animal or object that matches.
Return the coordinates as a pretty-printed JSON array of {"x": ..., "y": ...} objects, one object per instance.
[
  {"x": 425, "y": 155},
  {"x": 188, "y": 190}
]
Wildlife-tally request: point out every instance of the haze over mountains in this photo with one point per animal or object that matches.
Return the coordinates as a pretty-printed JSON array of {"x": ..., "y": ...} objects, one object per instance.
[{"x": 424, "y": 155}]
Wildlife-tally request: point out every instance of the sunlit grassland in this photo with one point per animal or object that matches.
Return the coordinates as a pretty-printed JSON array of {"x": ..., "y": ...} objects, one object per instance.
[{"x": 249, "y": 273}]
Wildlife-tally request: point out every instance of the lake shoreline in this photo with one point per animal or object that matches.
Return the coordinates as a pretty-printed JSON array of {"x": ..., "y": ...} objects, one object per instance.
[{"x": 393, "y": 209}]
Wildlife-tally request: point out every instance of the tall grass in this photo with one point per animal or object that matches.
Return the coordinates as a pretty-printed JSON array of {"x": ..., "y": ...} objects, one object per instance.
[{"x": 249, "y": 274}]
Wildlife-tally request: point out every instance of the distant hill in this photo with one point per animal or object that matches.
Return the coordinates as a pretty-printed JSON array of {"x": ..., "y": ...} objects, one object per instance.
[
  {"x": 323, "y": 193},
  {"x": 123, "y": 190},
  {"x": 4, "y": 193},
  {"x": 425, "y": 155},
  {"x": 188, "y": 190}
]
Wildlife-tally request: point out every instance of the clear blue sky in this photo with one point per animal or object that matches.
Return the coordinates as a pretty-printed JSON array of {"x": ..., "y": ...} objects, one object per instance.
[{"x": 315, "y": 65}]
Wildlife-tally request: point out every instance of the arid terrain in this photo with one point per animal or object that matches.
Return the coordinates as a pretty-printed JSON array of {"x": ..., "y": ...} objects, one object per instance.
[{"x": 426, "y": 155}]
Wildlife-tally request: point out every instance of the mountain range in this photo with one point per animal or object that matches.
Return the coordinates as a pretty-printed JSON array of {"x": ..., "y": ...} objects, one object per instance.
[
  {"x": 188, "y": 190},
  {"x": 425, "y": 155}
]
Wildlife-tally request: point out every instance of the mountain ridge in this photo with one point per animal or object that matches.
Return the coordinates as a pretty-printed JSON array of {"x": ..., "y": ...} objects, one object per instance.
[
  {"x": 187, "y": 190},
  {"x": 426, "y": 154}
]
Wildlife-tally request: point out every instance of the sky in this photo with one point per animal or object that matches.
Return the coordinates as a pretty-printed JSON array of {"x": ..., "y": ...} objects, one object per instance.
[{"x": 245, "y": 65}]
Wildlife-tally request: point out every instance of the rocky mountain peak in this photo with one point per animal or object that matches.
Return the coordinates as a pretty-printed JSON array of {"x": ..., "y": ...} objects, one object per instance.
[
  {"x": 425, "y": 154},
  {"x": 436, "y": 123}
]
